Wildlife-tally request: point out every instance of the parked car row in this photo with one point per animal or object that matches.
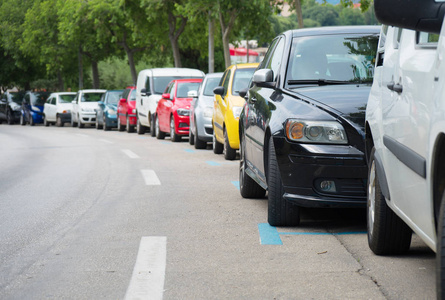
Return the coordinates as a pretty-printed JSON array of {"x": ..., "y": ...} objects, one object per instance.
[{"x": 306, "y": 134}]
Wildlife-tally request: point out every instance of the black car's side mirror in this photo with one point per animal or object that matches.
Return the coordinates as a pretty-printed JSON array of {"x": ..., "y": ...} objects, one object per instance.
[
  {"x": 144, "y": 92},
  {"x": 263, "y": 78},
  {"x": 219, "y": 90}
]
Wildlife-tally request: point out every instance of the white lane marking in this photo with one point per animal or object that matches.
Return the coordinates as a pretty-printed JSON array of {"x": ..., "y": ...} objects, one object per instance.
[
  {"x": 130, "y": 153},
  {"x": 150, "y": 177},
  {"x": 147, "y": 281},
  {"x": 83, "y": 135},
  {"x": 106, "y": 141}
]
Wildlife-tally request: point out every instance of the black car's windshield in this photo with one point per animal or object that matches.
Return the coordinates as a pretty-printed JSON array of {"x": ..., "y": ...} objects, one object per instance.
[
  {"x": 91, "y": 97},
  {"x": 66, "y": 98},
  {"x": 241, "y": 80},
  {"x": 17, "y": 97},
  {"x": 211, "y": 83},
  {"x": 39, "y": 98},
  {"x": 161, "y": 82},
  {"x": 113, "y": 97},
  {"x": 332, "y": 59}
]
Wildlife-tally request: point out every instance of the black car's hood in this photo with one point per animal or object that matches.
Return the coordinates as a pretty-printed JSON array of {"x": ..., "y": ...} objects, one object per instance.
[{"x": 348, "y": 100}]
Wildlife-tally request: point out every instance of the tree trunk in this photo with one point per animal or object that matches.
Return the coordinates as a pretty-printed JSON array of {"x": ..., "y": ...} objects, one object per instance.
[
  {"x": 95, "y": 70},
  {"x": 174, "y": 34},
  {"x": 80, "y": 68},
  {"x": 226, "y": 30},
  {"x": 247, "y": 50},
  {"x": 211, "y": 45},
  {"x": 61, "y": 86},
  {"x": 297, "y": 4}
]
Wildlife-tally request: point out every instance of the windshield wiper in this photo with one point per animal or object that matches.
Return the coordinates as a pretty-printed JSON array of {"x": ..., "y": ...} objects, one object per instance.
[{"x": 320, "y": 81}]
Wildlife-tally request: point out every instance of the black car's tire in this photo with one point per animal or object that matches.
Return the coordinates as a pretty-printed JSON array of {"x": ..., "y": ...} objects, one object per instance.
[
  {"x": 199, "y": 144},
  {"x": 140, "y": 129},
  {"x": 217, "y": 146},
  {"x": 387, "y": 233},
  {"x": 174, "y": 137},
  {"x": 59, "y": 122},
  {"x": 440, "y": 252},
  {"x": 31, "y": 120},
  {"x": 120, "y": 127},
  {"x": 22, "y": 120},
  {"x": 9, "y": 118},
  {"x": 229, "y": 152},
  {"x": 153, "y": 125},
  {"x": 248, "y": 187},
  {"x": 191, "y": 137},
  {"x": 159, "y": 134},
  {"x": 280, "y": 212},
  {"x": 45, "y": 122},
  {"x": 106, "y": 128},
  {"x": 130, "y": 128}
]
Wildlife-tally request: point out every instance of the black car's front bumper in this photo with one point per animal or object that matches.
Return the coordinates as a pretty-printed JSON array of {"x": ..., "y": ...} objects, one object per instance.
[{"x": 305, "y": 167}]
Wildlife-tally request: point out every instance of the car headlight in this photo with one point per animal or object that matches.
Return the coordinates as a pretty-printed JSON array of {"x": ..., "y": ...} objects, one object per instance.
[
  {"x": 35, "y": 108},
  {"x": 183, "y": 112},
  {"x": 134, "y": 110},
  {"x": 208, "y": 112},
  {"x": 330, "y": 132},
  {"x": 111, "y": 112},
  {"x": 237, "y": 111}
]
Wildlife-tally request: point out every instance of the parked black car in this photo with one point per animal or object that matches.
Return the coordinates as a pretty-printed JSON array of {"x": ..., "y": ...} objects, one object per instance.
[
  {"x": 302, "y": 127},
  {"x": 10, "y": 105}
]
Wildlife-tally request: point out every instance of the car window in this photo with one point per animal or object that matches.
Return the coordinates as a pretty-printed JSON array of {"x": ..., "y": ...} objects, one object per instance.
[
  {"x": 160, "y": 82},
  {"x": 147, "y": 85},
  {"x": 53, "y": 100},
  {"x": 66, "y": 98},
  {"x": 113, "y": 97},
  {"x": 185, "y": 87},
  {"x": 276, "y": 56},
  {"x": 339, "y": 57},
  {"x": 39, "y": 98},
  {"x": 91, "y": 97},
  {"x": 49, "y": 100},
  {"x": 268, "y": 54},
  {"x": 211, "y": 83},
  {"x": 17, "y": 97},
  {"x": 133, "y": 95},
  {"x": 241, "y": 79},
  {"x": 226, "y": 82},
  {"x": 427, "y": 39}
]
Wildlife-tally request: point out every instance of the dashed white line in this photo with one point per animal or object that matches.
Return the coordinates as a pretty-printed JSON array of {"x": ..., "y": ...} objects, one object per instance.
[
  {"x": 147, "y": 281},
  {"x": 130, "y": 153},
  {"x": 150, "y": 177},
  {"x": 106, "y": 141}
]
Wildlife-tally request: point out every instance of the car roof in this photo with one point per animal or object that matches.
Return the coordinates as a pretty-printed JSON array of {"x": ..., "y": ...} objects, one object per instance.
[
  {"x": 327, "y": 30},
  {"x": 92, "y": 91},
  {"x": 244, "y": 66}
]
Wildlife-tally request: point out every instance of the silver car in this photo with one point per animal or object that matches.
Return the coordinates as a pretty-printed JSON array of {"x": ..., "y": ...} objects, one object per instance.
[{"x": 201, "y": 111}]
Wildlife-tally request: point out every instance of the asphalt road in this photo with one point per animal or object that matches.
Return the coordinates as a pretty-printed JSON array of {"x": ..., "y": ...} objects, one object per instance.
[{"x": 78, "y": 205}]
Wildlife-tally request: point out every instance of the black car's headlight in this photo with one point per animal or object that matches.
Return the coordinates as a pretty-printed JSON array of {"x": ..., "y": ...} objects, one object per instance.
[
  {"x": 326, "y": 132},
  {"x": 183, "y": 112}
]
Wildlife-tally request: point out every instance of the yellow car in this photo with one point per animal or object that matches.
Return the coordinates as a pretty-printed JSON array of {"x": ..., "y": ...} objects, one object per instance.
[{"x": 227, "y": 107}]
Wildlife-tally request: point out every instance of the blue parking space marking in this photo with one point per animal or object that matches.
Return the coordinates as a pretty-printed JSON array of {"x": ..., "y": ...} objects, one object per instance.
[
  {"x": 189, "y": 150},
  {"x": 213, "y": 163},
  {"x": 236, "y": 184},
  {"x": 166, "y": 143},
  {"x": 269, "y": 235},
  {"x": 143, "y": 137}
]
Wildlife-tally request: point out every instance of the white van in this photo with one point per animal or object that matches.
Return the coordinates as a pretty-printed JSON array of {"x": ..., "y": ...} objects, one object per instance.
[
  {"x": 150, "y": 85},
  {"x": 405, "y": 131}
]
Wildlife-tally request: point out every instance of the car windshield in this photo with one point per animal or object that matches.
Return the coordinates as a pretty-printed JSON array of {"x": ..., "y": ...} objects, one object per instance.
[
  {"x": 241, "y": 80},
  {"x": 17, "y": 97},
  {"x": 91, "y": 97},
  {"x": 133, "y": 95},
  {"x": 39, "y": 98},
  {"x": 161, "y": 82},
  {"x": 114, "y": 96},
  {"x": 66, "y": 98},
  {"x": 185, "y": 87},
  {"x": 211, "y": 83},
  {"x": 332, "y": 59}
]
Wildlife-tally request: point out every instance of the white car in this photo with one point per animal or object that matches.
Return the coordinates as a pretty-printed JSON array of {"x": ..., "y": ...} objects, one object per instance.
[
  {"x": 151, "y": 83},
  {"x": 85, "y": 105},
  {"x": 57, "y": 108},
  {"x": 405, "y": 131}
]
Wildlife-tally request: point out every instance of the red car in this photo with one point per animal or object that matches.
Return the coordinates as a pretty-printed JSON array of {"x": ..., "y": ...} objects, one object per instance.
[
  {"x": 173, "y": 110},
  {"x": 126, "y": 110}
]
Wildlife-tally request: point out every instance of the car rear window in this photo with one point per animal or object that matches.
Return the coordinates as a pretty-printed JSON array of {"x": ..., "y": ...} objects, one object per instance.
[
  {"x": 91, "y": 97},
  {"x": 161, "y": 82},
  {"x": 185, "y": 87},
  {"x": 211, "y": 83},
  {"x": 66, "y": 98}
]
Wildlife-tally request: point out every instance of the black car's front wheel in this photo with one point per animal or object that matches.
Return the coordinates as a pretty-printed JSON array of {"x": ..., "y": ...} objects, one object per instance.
[
  {"x": 280, "y": 212},
  {"x": 387, "y": 233},
  {"x": 248, "y": 187}
]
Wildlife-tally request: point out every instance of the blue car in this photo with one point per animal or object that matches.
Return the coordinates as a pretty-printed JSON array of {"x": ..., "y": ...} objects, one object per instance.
[
  {"x": 106, "y": 117},
  {"x": 32, "y": 108}
]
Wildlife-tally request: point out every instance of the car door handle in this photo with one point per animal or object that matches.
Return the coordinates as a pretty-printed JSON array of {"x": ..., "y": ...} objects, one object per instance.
[{"x": 253, "y": 99}]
